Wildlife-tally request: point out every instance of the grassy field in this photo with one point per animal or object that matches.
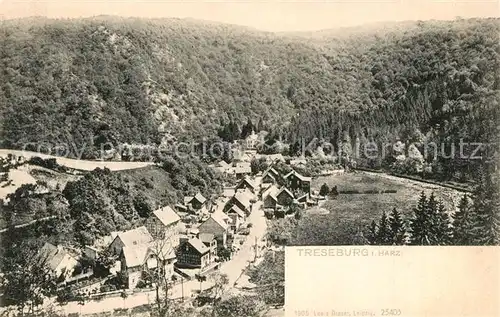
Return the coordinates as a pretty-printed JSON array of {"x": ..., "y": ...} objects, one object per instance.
[{"x": 337, "y": 221}]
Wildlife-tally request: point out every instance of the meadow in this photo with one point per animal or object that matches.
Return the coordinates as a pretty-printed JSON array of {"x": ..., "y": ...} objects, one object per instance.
[{"x": 363, "y": 197}]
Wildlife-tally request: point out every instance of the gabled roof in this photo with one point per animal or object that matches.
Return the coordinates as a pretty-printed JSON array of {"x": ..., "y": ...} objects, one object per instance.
[
  {"x": 299, "y": 176},
  {"x": 220, "y": 218},
  {"x": 198, "y": 245},
  {"x": 134, "y": 256},
  {"x": 223, "y": 164},
  {"x": 228, "y": 192},
  {"x": 243, "y": 168},
  {"x": 137, "y": 255},
  {"x": 187, "y": 199},
  {"x": 269, "y": 175},
  {"x": 303, "y": 197},
  {"x": 180, "y": 206},
  {"x": 271, "y": 170},
  {"x": 275, "y": 157},
  {"x": 137, "y": 236},
  {"x": 271, "y": 191},
  {"x": 284, "y": 189},
  {"x": 244, "y": 198},
  {"x": 166, "y": 215},
  {"x": 199, "y": 197},
  {"x": 298, "y": 162},
  {"x": 52, "y": 256},
  {"x": 237, "y": 210},
  {"x": 248, "y": 181}
]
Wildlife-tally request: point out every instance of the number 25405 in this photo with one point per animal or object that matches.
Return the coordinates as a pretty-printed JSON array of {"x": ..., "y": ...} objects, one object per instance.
[{"x": 391, "y": 312}]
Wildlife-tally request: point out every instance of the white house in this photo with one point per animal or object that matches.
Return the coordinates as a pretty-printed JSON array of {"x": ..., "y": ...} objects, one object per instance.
[{"x": 58, "y": 260}]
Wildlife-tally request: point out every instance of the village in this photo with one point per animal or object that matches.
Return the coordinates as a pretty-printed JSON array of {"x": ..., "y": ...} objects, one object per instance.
[{"x": 186, "y": 243}]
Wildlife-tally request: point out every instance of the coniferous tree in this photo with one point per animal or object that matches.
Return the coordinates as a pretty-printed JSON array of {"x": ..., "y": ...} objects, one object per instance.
[
  {"x": 443, "y": 229},
  {"x": 463, "y": 223},
  {"x": 487, "y": 210},
  {"x": 383, "y": 233},
  {"x": 247, "y": 129},
  {"x": 234, "y": 130},
  {"x": 324, "y": 190},
  {"x": 397, "y": 228},
  {"x": 420, "y": 224}
]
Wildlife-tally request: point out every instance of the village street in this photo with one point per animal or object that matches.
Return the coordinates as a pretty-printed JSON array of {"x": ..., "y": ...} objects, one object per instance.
[{"x": 233, "y": 268}]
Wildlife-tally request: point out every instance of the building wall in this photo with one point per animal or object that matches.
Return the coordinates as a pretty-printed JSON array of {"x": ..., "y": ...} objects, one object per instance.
[
  {"x": 269, "y": 202},
  {"x": 283, "y": 197},
  {"x": 268, "y": 179},
  {"x": 235, "y": 220},
  {"x": 195, "y": 204},
  {"x": 211, "y": 226},
  {"x": 189, "y": 259},
  {"x": 67, "y": 266},
  {"x": 116, "y": 246},
  {"x": 134, "y": 276}
]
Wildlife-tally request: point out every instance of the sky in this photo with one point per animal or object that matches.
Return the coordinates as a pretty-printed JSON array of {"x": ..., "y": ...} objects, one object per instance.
[{"x": 267, "y": 15}]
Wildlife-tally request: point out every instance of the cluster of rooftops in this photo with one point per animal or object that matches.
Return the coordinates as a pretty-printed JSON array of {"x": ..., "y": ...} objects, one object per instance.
[{"x": 217, "y": 218}]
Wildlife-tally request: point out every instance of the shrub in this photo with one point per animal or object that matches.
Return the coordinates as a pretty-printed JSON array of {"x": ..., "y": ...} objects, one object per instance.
[{"x": 324, "y": 190}]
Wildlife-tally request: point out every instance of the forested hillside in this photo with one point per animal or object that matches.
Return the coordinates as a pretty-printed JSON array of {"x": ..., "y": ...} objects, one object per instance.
[{"x": 91, "y": 81}]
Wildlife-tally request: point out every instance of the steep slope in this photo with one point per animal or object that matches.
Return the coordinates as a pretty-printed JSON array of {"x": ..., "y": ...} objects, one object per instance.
[{"x": 92, "y": 81}]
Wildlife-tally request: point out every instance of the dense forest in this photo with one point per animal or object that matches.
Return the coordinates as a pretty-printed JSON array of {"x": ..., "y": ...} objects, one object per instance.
[{"x": 89, "y": 82}]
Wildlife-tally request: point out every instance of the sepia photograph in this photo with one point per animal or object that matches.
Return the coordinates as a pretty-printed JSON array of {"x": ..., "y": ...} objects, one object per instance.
[{"x": 242, "y": 158}]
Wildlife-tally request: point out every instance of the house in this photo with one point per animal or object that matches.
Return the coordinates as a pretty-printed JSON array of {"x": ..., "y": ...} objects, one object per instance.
[
  {"x": 247, "y": 183},
  {"x": 270, "y": 176},
  {"x": 252, "y": 141},
  {"x": 57, "y": 260},
  {"x": 90, "y": 252},
  {"x": 237, "y": 217},
  {"x": 228, "y": 192},
  {"x": 296, "y": 181},
  {"x": 242, "y": 169},
  {"x": 193, "y": 253},
  {"x": 210, "y": 242},
  {"x": 284, "y": 197},
  {"x": 216, "y": 224},
  {"x": 156, "y": 255},
  {"x": 131, "y": 238},
  {"x": 164, "y": 224},
  {"x": 242, "y": 199},
  {"x": 197, "y": 202},
  {"x": 273, "y": 158},
  {"x": 181, "y": 208},
  {"x": 300, "y": 162},
  {"x": 223, "y": 167},
  {"x": 252, "y": 153},
  {"x": 305, "y": 201},
  {"x": 269, "y": 197},
  {"x": 241, "y": 156}
]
